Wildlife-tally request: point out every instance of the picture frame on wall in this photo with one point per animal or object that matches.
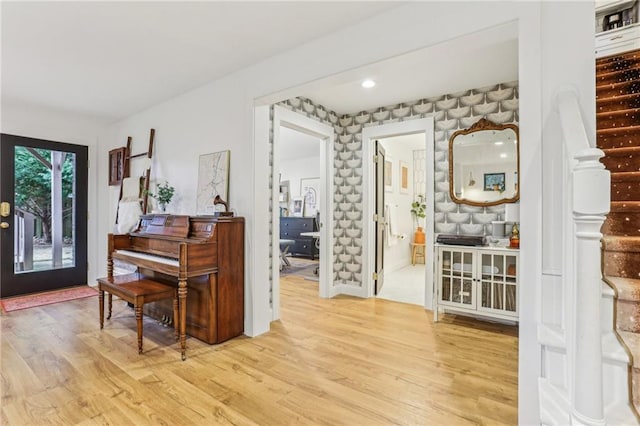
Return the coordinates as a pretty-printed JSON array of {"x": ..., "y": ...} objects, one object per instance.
[
  {"x": 213, "y": 180},
  {"x": 388, "y": 174},
  {"x": 404, "y": 177},
  {"x": 494, "y": 182},
  {"x": 310, "y": 190},
  {"x": 117, "y": 164},
  {"x": 297, "y": 206}
]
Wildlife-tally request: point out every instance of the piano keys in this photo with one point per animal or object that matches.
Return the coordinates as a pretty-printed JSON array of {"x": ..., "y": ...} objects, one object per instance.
[{"x": 204, "y": 257}]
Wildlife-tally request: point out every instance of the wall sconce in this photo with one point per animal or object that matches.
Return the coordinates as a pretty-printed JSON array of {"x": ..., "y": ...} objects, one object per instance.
[{"x": 472, "y": 182}]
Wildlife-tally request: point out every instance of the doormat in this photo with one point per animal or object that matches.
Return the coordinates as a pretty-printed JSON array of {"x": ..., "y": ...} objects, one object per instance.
[{"x": 40, "y": 299}]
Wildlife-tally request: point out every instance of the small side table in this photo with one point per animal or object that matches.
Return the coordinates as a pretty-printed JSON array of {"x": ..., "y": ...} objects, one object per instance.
[{"x": 417, "y": 251}]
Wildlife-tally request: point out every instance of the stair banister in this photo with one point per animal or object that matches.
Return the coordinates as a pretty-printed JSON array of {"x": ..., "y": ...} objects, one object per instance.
[{"x": 589, "y": 200}]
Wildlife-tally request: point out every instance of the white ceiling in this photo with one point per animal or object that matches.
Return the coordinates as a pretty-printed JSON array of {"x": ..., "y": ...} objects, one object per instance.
[
  {"x": 475, "y": 60},
  {"x": 113, "y": 59}
]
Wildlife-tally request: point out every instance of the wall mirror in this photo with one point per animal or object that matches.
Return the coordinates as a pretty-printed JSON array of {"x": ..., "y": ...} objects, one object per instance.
[{"x": 484, "y": 164}]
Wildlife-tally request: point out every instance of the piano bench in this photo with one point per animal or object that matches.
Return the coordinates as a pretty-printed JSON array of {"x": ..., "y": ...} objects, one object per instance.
[{"x": 137, "y": 291}]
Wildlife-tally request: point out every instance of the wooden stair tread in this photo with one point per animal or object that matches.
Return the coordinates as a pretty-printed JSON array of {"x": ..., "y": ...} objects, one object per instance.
[
  {"x": 610, "y": 73},
  {"x": 621, "y": 243},
  {"x": 625, "y": 206},
  {"x": 624, "y": 176},
  {"x": 612, "y": 99},
  {"x": 624, "y": 150},
  {"x": 616, "y": 85},
  {"x": 607, "y": 67},
  {"x": 632, "y": 342},
  {"x": 626, "y": 288},
  {"x": 617, "y": 112},
  {"x": 622, "y": 130}
]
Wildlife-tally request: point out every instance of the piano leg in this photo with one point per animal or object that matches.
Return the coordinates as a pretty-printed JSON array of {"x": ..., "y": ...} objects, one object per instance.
[
  {"x": 138, "y": 309},
  {"x": 182, "y": 296},
  {"x": 176, "y": 316}
]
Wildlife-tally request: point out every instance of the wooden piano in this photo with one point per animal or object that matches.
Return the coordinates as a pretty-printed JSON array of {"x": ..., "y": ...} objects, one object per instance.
[{"x": 204, "y": 257}]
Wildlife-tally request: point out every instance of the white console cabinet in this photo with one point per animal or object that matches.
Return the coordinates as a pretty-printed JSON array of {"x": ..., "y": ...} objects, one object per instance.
[{"x": 479, "y": 281}]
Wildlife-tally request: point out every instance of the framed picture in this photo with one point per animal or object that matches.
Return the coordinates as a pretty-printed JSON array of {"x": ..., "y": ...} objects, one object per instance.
[
  {"x": 310, "y": 190},
  {"x": 117, "y": 165},
  {"x": 213, "y": 180},
  {"x": 404, "y": 177},
  {"x": 297, "y": 206},
  {"x": 388, "y": 174},
  {"x": 494, "y": 182}
]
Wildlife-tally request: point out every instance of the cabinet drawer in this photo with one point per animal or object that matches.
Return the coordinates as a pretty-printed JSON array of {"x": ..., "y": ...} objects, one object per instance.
[
  {"x": 302, "y": 225},
  {"x": 617, "y": 36},
  {"x": 617, "y": 48},
  {"x": 617, "y": 41}
]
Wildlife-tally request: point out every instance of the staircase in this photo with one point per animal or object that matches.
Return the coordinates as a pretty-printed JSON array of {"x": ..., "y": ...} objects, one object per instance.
[{"x": 618, "y": 135}]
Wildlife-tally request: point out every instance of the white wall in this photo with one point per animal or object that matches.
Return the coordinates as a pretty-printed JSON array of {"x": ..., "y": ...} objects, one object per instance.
[
  {"x": 300, "y": 168},
  {"x": 44, "y": 123}
]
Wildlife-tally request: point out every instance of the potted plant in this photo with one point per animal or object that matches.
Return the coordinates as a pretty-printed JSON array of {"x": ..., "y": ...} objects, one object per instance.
[
  {"x": 164, "y": 194},
  {"x": 418, "y": 207}
]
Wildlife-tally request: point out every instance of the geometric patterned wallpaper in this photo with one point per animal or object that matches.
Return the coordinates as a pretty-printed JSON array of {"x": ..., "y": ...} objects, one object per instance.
[{"x": 451, "y": 112}]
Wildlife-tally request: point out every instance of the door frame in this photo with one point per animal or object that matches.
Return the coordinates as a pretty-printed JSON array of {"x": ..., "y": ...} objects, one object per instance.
[
  {"x": 293, "y": 120},
  {"x": 369, "y": 135},
  {"x": 65, "y": 277}
]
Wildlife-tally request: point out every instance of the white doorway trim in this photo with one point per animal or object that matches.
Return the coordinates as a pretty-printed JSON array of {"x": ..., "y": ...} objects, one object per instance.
[
  {"x": 369, "y": 134},
  {"x": 283, "y": 117}
]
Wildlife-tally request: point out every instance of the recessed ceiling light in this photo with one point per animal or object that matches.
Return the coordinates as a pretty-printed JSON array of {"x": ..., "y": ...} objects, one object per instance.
[{"x": 368, "y": 84}]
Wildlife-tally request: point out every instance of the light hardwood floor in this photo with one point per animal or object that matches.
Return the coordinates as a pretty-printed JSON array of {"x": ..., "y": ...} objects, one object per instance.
[{"x": 338, "y": 361}]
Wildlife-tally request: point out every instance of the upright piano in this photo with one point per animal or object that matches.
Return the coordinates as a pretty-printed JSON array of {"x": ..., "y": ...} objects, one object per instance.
[{"x": 204, "y": 257}]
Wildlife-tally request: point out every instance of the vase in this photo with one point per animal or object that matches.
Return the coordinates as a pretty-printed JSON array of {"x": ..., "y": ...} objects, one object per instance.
[{"x": 419, "y": 237}]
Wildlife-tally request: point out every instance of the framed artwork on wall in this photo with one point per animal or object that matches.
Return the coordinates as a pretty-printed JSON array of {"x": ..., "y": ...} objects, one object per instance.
[
  {"x": 404, "y": 177},
  {"x": 213, "y": 180},
  {"x": 388, "y": 174},
  {"x": 494, "y": 182},
  {"x": 297, "y": 206},
  {"x": 310, "y": 190},
  {"x": 117, "y": 165}
]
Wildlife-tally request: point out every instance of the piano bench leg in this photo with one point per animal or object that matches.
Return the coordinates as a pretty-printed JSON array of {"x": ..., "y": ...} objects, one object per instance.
[
  {"x": 138, "y": 310},
  {"x": 101, "y": 307},
  {"x": 110, "y": 298}
]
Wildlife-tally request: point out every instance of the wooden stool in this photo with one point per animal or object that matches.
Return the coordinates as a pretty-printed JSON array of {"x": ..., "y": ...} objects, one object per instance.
[
  {"x": 137, "y": 291},
  {"x": 417, "y": 250}
]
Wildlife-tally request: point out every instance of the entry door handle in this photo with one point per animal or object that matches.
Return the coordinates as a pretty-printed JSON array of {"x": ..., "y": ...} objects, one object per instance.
[{"x": 5, "y": 209}]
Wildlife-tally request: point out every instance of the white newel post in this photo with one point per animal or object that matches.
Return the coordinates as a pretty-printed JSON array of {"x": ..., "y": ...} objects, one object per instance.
[{"x": 591, "y": 201}]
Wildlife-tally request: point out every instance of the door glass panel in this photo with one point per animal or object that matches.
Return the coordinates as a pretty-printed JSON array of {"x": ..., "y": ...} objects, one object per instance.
[
  {"x": 467, "y": 292},
  {"x": 511, "y": 298},
  {"x": 446, "y": 289},
  {"x": 45, "y": 223},
  {"x": 456, "y": 289}
]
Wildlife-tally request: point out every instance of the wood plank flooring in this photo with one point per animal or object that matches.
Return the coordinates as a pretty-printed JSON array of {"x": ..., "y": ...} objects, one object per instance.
[{"x": 342, "y": 361}]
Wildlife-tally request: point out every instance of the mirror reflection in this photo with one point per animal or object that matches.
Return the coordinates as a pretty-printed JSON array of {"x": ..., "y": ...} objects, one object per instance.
[{"x": 484, "y": 164}]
